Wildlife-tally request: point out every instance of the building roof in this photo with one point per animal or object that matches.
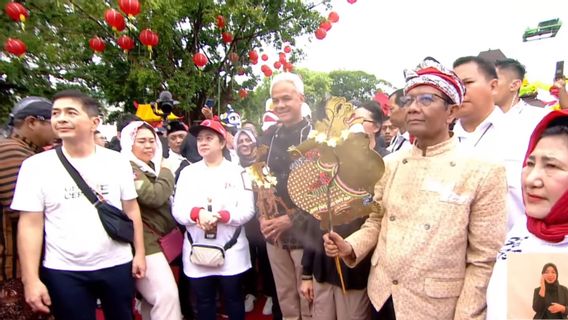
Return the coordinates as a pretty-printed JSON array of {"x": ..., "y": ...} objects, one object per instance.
[{"x": 492, "y": 55}]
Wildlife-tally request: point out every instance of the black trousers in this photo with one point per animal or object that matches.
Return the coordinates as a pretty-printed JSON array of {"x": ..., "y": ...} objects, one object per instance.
[
  {"x": 74, "y": 293},
  {"x": 386, "y": 312}
]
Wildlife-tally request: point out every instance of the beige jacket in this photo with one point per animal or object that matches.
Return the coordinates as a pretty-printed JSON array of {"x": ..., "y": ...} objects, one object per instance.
[{"x": 436, "y": 240}]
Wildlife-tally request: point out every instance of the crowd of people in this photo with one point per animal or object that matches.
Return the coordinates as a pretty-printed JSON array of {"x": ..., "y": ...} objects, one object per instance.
[{"x": 473, "y": 174}]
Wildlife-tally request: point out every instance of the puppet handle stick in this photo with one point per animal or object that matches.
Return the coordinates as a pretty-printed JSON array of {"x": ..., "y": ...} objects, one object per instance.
[
  {"x": 338, "y": 266},
  {"x": 330, "y": 216}
]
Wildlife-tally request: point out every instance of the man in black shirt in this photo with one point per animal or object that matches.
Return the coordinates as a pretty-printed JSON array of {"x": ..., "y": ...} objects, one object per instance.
[{"x": 284, "y": 232}]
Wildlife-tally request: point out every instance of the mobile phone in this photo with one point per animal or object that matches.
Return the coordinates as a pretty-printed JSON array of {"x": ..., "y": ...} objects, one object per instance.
[
  {"x": 559, "y": 72},
  {"x": 209, "y": 103}
]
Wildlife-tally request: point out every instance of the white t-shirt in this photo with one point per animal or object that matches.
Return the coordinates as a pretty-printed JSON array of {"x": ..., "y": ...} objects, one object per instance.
[{"x": 75, "y": 239}]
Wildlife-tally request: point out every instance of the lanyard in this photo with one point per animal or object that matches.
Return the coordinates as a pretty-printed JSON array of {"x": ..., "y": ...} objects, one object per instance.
[{"x": 481, "y": 137}]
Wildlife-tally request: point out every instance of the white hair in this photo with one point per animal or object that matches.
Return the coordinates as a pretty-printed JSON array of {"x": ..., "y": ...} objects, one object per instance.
[{"x": 290, "y": 77}]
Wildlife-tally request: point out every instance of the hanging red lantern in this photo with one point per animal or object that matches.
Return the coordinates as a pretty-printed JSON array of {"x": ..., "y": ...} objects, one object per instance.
[
  {"x": 287, "y": 49},
  {"x": 277, "y": 65},
  {"x": 15, "y": 46},
  {"x": 115, "y": 20},
  {"x": 320, "y": 34},
  {"x": 253, "y": 55},
  {"x": 126, "y": 43},
  {"x": 149, "y": 38},
  {"x": 326, "y": 25},
  {"x": 227, "y": 37},
  {"x": 17, "y": 12},
  {"x": 264, "y": 67},
  {"x": 264, "y": 57},
  {"x": 200, "y": 60},
  {"x": 333, "y": 17},
  {"x": 220, "y": 22},
  {"x": 243, "y": 93},
  {"x": 288, "y": 67},
  {"x": 268, "y": 73},
  {"x": 97, "y": 44},
  {"x": 130, "y": 7},
  {"x": 233, "y": 57},
  {"x": 282, "y": 57},
  {"x": 351, "y": 1}
]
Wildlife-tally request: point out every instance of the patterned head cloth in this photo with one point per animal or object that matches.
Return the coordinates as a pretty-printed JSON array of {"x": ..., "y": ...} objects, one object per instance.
[{"x": 431, "y": 73}]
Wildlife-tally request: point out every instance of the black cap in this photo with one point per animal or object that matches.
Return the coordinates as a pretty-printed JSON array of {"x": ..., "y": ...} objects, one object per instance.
[
  {"x": 31, "y": 106},
  {"x": 174, "y": 126}
]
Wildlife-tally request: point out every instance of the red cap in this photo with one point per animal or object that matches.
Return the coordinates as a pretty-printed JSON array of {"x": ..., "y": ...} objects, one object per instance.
[{"x": 209, "y": 124}]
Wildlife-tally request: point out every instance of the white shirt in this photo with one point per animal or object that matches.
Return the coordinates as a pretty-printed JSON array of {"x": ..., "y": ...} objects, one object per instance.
[
  {"x": 520, "y": 241},
  {"x": 75, "y": 239},
  {"x": 495, "y": 139},
  {"x": 230, "y": 189},
  {"x": 400, "y": 142},
  {"x": 173, "y": 161}
]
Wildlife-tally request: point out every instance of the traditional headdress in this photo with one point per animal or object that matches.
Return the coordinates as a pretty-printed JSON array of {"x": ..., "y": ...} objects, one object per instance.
[{"x": 431, "y": 73}]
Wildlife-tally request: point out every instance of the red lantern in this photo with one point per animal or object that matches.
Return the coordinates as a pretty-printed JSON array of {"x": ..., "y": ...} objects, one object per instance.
[
  {"x": 288, "y": 67},
  {"x": 326, "y": 25},
  {"x": 15, "y": 46},
  {"x": 253, "y": 56},
  {"x": 282, "y": 57},
  {"x": 264, "y": 67},
  {"x": 351, "y": 1},
  {"x": 227, "y": 37},
  {"x": 264, "y": 57},
  {"x": 115, "y": 20},
  {"x": 97, "y": 44},
  {"x": 16, "y": 11},
  {"x": 220, "y": 22},
  {"x": 287, "y": 49},
  {"x": 126, "y": 43},
  {"x": 149, "y": 38},
  {"x": 320, "y": 34},
  {"x": 233, "y": 57},
  {"x": 268, "y": 73},
  {"x": 130, "y": 7},
  {"x": 243, "y": 93},
  {"x": 200, "y": 60},
  {"x": 333, "y": 17},
  {"x": 277, "y": 65}
]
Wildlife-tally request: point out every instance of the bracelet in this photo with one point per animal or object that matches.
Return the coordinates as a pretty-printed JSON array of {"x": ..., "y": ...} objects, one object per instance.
[{"x": 307, "y": 277}]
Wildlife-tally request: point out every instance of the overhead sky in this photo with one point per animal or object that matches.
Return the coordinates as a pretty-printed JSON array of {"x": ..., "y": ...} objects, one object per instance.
[{"x": 383, "y": 37}]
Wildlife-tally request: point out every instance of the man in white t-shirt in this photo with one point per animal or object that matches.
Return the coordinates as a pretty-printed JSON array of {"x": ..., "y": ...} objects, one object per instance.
[{"x": 81, "y": 262}]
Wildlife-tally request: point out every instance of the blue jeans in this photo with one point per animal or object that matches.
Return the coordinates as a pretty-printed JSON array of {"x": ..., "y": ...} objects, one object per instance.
[
  {"x": 74, "y": 293},
  {"x": 205, "y": 290}
]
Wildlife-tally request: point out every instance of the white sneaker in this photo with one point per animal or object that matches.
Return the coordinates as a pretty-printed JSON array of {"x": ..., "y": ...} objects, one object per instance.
[
  {"x": 267, "y": 310},
  {"x": 249, "y": 302}
]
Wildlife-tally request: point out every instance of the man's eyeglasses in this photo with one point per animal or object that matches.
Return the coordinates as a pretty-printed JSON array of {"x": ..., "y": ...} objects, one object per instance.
[{"x": 424, "y": 99}]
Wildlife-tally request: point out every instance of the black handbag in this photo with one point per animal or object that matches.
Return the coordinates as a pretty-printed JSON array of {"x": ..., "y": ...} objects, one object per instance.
[{"x": 116, "y": 223}]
